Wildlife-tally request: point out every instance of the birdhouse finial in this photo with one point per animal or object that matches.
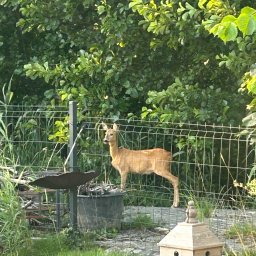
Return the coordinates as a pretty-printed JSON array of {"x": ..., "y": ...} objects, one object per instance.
[{"x": 191, "y": 213}]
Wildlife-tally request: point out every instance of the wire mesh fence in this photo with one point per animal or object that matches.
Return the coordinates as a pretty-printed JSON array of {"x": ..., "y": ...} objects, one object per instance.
[
  {"x": 27, "y": 152},
  {"x": 206, "y": 158}
]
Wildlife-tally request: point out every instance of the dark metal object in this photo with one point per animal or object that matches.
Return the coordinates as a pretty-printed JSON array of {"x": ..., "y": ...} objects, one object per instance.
[
  {"x": 58, "y": 210},
  {"x": 73, "y": 161},
  {"x": 66, "y": 180}
]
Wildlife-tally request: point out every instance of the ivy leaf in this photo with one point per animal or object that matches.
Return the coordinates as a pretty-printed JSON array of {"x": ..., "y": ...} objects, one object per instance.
[{"x": 246, "y": 23}]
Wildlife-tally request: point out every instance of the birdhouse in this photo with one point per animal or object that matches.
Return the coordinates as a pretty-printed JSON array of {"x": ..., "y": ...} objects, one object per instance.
[{"x": 190, "y": 238}]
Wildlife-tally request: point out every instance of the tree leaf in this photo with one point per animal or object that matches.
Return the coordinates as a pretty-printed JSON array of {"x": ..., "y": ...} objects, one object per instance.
[
  {"x": 250, "y": 120},
  {"x": 201, "y": 3},
  {"x": 246, "y": 23},
  {"x": 134, "y": 3},
  {"x": 251, "y": 85},
  {"x": 101, "y": 9},
  {"x": 248, "y": 11},
  {"x": 228, "y": 31},
  {"x": 229, "y": 18}
]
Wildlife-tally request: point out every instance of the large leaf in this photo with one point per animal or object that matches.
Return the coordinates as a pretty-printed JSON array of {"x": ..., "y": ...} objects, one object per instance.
[
  {"x": 229, "y": 18},
  {"x": 227, "y": 31},
  {"x": 248, "y": 11},
  {"x": 246, "y": 23}
]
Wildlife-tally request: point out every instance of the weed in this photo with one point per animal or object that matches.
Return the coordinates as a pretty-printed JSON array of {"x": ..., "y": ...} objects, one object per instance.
[
  {"x": 142, "y": 221},
  {"x": 241, "y": 231},
  {"x": 74, "y": 239},
  {"x": 106, "y": 233},
  {"x": 242, "y": 253},
  {"x": 205, "y": 206}
]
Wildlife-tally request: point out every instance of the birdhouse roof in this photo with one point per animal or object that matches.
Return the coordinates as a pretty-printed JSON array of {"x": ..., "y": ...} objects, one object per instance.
[{"x": 190, "y": 237}]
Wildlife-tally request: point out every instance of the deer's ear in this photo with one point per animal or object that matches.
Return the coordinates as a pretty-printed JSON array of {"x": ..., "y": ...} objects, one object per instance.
[
  {"x": 104, "y": 126},
  {"x": 115, "y": 127}
]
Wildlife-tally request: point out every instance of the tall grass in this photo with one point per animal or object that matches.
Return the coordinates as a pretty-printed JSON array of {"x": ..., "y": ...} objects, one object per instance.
[
  {"x": 13, "y": 226},
  {"x": 14, "y": 232}
]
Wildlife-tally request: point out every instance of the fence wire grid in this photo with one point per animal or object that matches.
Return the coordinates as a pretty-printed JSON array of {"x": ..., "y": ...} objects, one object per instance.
[{"x": 206, "y": 158}]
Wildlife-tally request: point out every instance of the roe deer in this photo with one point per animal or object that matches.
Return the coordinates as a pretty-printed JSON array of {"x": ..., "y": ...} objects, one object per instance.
[{"x": 146, "y": 161}]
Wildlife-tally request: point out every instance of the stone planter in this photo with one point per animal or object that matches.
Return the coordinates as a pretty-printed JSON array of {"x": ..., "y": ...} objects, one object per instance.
[{"x": 100, "y": 211}]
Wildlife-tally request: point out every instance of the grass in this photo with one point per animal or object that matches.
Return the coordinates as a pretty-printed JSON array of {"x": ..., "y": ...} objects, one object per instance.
[
  {"x": 142, "y": 221},
  {"x": 242, "y": 253},
  {"x": 246, "y": 233},
  {"x": 74, "y": 243},
  {"x": 241, "y": 231},
  {"x": 205, "y": 208},
  {"x": 58, "y": 245},
  {"x": 13, "y": 226}
]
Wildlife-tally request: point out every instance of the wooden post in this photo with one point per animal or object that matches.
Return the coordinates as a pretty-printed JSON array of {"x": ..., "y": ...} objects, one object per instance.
[{"x": 73, "y": 161}]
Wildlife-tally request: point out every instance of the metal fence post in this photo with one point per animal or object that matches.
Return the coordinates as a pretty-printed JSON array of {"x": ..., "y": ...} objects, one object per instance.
[
  {"x": 73, "y": 161},
  {"x": 58, "y": 211}
]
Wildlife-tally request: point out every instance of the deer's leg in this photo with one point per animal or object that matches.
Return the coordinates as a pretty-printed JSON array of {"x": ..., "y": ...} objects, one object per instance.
[
  {"x": 123, "y": 180},
  {"x": 175, "y": 182}
]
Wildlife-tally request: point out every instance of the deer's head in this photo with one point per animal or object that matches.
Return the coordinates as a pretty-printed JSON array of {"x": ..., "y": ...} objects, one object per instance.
[{"x": 110, "y": 133}]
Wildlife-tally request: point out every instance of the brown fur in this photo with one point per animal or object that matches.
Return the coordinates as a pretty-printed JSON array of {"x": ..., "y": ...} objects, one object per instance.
[{"x": 146, "y": 161}]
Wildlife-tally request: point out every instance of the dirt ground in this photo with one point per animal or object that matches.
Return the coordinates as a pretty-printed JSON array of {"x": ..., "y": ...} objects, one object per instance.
[{"x": 144, "y": 241}]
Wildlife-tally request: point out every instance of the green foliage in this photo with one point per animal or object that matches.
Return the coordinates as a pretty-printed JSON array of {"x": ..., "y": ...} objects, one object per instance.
[
  {"x": 241, "y": 231},
  {"x": 205, "y": 207},
  {"x": 141, "y": 221},
  {"x": 60, "y": 133},
  {"x": 178, "y": 26},
  {"x": 245, "y": 252},
  {"x": 13, "y": 225},
  {"x": 111, "y": 57},
  {"x": 229, "y": 26},
  {"x": 73, "y": 239},
  {"x": 175, "y": 104},
  {"x": 251, "y": 187},
  {"x": 106, "y": 233},
  {"x": 59, "y": 245}
]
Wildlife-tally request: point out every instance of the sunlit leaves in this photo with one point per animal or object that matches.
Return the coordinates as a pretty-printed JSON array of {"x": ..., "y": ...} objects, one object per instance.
[
  {"x": 227, "y": 29},
  {"x": 246, "y": 24},
  {"x": 157, "y": 18},
  {"x": 251, "y": 85}
]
